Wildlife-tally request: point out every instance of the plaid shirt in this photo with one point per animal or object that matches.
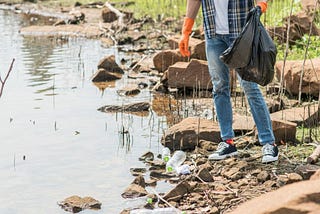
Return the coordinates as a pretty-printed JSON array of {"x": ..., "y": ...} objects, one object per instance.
[{"x": 237, "y": 14}]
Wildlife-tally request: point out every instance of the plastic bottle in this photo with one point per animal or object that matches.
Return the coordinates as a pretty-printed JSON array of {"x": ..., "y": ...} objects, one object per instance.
[
  {"x": 165, "y": 154},
  {"x": 167, "y": 210},
  {"x": 175, "y": 161}
]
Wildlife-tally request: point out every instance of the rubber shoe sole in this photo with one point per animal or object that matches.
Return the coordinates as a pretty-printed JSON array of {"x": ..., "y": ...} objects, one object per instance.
[
  {"x": 221, "y": 157},
  {"x": 269, "y": 159}
]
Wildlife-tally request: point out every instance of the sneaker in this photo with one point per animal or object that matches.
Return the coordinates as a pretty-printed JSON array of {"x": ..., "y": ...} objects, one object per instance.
[
  {"x": 223, "y": 151},
  {"x": 270, "y": 153}
]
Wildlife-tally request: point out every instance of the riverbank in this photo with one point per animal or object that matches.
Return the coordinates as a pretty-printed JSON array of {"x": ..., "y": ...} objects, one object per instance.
[{"x": 217, "y": 187}]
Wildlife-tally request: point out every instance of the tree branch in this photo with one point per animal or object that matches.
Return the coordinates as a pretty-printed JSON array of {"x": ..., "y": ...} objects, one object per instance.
[{"x": 3, "y": 82}]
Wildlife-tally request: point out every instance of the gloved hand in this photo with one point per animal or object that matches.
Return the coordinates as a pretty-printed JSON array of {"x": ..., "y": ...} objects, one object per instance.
[
  {"x": 184, "y": 41},
  {"x": 263, "y": 6}
]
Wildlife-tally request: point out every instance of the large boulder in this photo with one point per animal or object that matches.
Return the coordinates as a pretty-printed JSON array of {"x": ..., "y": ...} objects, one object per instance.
[
  {"x": 299, "y": 198},
  {"x": 292, "y": 73},
  {"x": 189, "y": 132},
  {"x": 193, "y": 75},
  {"x": 197, "y": 47},
  {"x": 164, "y": 59},
  {"x": 307, "y": 115}
]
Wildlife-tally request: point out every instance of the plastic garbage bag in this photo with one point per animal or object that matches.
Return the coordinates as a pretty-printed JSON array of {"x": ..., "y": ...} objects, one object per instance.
[{"x": 262, "y": 52}]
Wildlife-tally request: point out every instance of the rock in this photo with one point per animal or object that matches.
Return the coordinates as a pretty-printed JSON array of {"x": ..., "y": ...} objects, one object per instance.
[
  {"x": 160, "y": 174},
  {"x": 138, "y": 171},
  {"x": 139, "y": 180},
  {"x": 316, "y": 175},
  {"x": 186, "y": 134},
  {"x": 148, "y": 156},
  {"x": 129, "y": 90},
  {"x": 134, "y": 191},
  {"x": 108, "y": 63},
  {"x": 292, "y": 72},
  {"x": 204, "y": 175},
  {"x": 294, "y": 177},
  {"x": 76, "y": 204},
  {"x": 301, "y": 197},
  {"x": 177, "y": 192},
  {"x": 307, "y": 115},
  {"x": 207, "y": 145},
  {"x": 263, "y": 176},
  {"x": 108, "y": 15},
  {"x": 193, "y": 75},
  {"x": 103, "y": 75},
  {"x": 197, "y": 47},
  {"x": 284, "y": 130},
  {"x": 164, "y": 59},
  {"x": 306, "y": 171},
  {"x": 135, "y": 107}
]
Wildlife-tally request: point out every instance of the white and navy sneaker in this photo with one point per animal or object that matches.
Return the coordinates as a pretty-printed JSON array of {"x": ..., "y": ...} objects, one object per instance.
[
  {"x": 270, "y": 153},
  {"x": 223, "y": 151}
]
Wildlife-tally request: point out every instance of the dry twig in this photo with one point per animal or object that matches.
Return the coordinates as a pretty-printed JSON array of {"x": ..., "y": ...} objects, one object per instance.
[{"x": 3, "y": 82}]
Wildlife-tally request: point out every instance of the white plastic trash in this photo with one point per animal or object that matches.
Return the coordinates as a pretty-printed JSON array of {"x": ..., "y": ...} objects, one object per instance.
[
  {"x": 166, "y": 153},
  {"x": 175, "y": 161}
]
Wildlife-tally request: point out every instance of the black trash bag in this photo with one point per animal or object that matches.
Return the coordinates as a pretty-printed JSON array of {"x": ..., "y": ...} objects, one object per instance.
[
  {"x": 262, "y": 53},
  {"x": 238, "y": 55}
]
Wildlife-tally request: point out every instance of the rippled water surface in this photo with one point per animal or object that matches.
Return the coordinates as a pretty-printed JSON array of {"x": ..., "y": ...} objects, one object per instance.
[{"x": 54, "y": 142}]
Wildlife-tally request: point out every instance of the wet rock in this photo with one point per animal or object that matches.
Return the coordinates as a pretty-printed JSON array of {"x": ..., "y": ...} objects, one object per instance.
[
  {"x": 164, "y": 59},
  {"x": 103, "y": 75},
  {"x": 292, "y": 73},
  {"x": 186, "y": 134},
  {"x": 134, "y": 191},
  {"x": 148, "y": 156},
  {"x": 108, "y": 63},
  {"x": 151, "y": 182},
  {"x": 160, "y": 174},
  {"x": 139, "y": 180},
  {"x": 76, "y": 204},
  {"x": 129, "y": 90},
  {"x": 177, "y": 192},
  {"x": 138, "y": 171},
  {"x": 135, "y": 107}
]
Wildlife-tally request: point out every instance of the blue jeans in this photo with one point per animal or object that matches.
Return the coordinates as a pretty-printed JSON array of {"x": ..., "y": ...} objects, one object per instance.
[{"x": 221, "y": 93}]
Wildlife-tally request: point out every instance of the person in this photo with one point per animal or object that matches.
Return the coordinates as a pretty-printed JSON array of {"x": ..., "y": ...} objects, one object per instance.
[{"x": 223, "y": 21}]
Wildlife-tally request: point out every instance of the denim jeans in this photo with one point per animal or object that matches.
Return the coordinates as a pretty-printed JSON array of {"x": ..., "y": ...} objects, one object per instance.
[{"x": 221, "y": 93}]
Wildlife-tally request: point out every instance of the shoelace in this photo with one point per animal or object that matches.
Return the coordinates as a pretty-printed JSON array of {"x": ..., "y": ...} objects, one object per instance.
[
  {"x": 268, "y": 150},
  {"x": 222, "y": 145}
]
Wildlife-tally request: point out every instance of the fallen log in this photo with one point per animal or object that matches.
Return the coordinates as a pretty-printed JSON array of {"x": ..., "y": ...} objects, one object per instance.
[{"x": 313, "y": 158}]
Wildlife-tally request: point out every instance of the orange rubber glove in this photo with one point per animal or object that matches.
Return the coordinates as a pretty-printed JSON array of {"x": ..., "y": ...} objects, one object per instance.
[
  {"x": 184, "y": 41},
  {"x": 263, "y": 6}
]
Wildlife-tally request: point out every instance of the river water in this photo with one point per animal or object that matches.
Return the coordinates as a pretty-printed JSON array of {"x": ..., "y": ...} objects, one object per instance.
[{"x": 54, "y": 142}]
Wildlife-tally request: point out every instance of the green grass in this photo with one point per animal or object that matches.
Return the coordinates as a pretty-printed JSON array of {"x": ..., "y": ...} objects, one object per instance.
[
  {"x": 297, "y": 51},
  {"x": 278, "y": 9}
]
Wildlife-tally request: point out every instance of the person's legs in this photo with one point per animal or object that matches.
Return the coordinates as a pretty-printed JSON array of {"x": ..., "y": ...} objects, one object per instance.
[
  {"x": 219, "y": 73},
  {"x": 262, "y": 120}
]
